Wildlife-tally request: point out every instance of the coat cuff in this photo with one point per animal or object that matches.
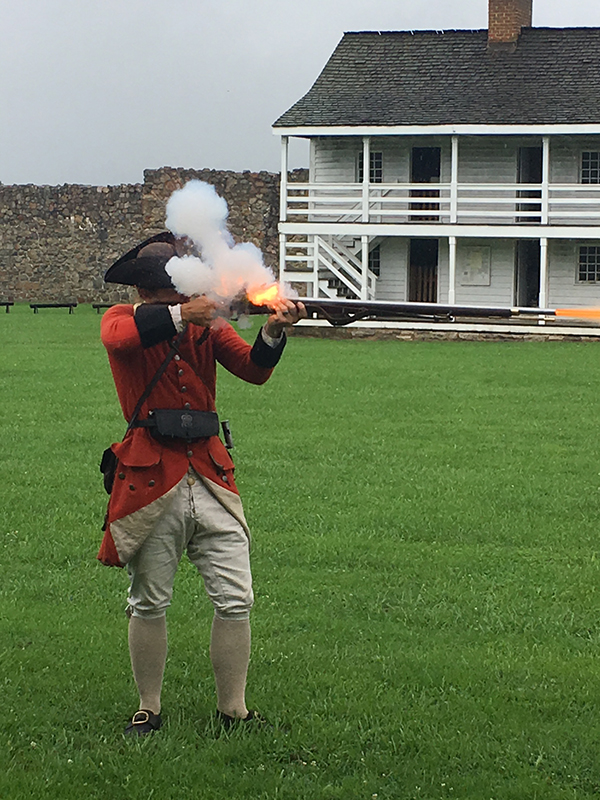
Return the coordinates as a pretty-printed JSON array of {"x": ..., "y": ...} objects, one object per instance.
[
  {"x": 154, "y": 324},
  {"x": 265, "y": 355}
]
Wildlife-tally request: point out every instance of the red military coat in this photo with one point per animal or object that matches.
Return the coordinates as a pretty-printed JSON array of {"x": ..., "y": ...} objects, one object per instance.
[{"x": 137, "y": 340}]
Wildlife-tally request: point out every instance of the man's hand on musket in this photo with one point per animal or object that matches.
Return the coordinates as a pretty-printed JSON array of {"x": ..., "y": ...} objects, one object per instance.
[
  {"x": 286, "y": 313},
  {"x": 199, "y": 310}
]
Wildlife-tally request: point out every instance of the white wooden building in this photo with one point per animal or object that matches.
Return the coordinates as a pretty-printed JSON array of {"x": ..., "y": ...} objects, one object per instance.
[{"x": 450, "y": 167}]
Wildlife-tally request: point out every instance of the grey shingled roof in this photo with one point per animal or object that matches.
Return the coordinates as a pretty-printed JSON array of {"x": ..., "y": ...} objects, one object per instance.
[{"x": 437, "y": 78}]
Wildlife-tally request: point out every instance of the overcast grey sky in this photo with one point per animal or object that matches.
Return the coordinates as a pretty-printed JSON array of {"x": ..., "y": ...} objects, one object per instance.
[{"x": 95, "y": 91}]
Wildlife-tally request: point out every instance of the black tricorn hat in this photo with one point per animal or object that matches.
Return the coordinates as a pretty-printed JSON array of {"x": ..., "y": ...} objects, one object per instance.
[{"x": 146, "y": 270}]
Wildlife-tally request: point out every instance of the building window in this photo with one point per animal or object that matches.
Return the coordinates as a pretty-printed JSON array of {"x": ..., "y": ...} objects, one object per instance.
[
  {"x": 375, "y": 261},
  {"x": 375, "y": 168},
  {"x": 589, "y": 264},
  {"x": 590, "y": 167}
]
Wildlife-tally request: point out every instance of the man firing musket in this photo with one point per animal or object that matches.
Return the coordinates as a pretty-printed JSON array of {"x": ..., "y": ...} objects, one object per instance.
[{"x": 173, "y": 488}]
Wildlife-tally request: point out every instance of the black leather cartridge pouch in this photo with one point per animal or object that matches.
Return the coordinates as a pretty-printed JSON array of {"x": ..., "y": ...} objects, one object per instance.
[
  {"x": 173, "y": 423},
  {"x": 108, "y": 468}
]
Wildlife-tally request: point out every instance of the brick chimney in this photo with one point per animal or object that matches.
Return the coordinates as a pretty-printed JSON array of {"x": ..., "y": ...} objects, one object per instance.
[{"x": 505, "y": 20}]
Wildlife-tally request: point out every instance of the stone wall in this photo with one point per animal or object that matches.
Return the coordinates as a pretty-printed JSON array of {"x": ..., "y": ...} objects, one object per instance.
[
  {"x": 375, "y": 334},
  {"x": 56, "y": 242}
]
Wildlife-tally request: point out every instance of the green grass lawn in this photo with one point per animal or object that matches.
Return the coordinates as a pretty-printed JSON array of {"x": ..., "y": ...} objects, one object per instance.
[{"x": 425, "y": 522}]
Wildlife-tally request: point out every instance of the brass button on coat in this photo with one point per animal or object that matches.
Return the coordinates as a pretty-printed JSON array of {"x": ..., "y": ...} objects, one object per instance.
[
  {"x": 151, "y": 483},
  {"x": 180, "y": 372},
  {"x": 187, "y": 405},
  {"x": 122, "y": 476},
  {"x": 191, "y": 481},
  {"x": 177, "y": 358},
  {"x": 184, "y": 388},
  {"x": 132, "y": 487},
  {"x": 190, "y": 453}
]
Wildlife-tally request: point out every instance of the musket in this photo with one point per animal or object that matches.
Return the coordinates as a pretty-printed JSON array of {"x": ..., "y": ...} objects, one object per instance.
[{"x": 339, "y": 311}]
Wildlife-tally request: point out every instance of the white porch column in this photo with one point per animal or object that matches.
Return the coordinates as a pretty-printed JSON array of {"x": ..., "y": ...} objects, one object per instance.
[
  {"x": 545, "y": 178},
  {"x": 543, "y": 273},
  {"x": 451, "y": 270},
  {"x": 366, "y": 176},
  {"x": 315, "y": 254},
  {"x": 454, "y": 182},
  {"x": 283, "y": 205},
  {"x": 282, "y": 254},
  {"x": 283, "y": 184},
  {"x": 364, "y": 289}
]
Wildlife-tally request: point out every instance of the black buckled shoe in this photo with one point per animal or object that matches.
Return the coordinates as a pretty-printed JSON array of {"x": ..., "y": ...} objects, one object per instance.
[
  {"x": 142, "y": 723},
  {"x": 252, "y": 719}
]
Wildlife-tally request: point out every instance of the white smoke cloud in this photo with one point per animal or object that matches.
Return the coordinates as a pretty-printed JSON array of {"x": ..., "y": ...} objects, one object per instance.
[{"x": 223, "y": 268}]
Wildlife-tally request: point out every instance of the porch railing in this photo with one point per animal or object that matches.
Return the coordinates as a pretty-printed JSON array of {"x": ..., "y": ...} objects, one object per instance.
[
  {"x": 328, "y": 267},
  {"x": 466, "y": 203}
]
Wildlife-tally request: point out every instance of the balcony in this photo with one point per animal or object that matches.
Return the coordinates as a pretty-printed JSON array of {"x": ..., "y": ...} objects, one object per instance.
[{"x": 444, "y": 203}]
